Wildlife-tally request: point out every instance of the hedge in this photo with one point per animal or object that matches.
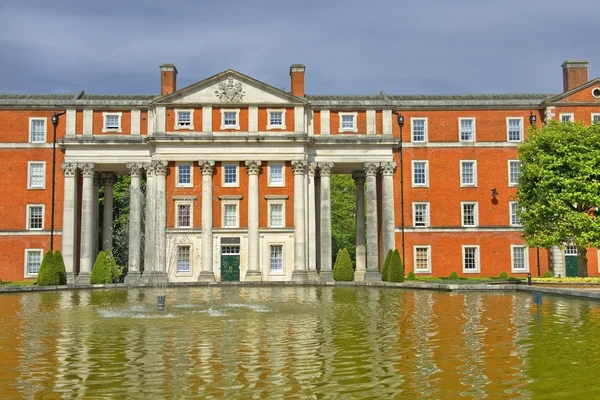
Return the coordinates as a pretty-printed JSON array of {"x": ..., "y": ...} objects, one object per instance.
[
  {"x": 343, "y": 270},
  {"x": 386, "y": 266}
]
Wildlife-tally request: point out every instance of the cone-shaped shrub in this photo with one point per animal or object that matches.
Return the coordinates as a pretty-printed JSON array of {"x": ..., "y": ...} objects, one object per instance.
[
  {"x": 60, "y": 267},
  {"x": 396, "y": 272},
  {"x": 411, "y": 276},
  {"x": 503, "y": 275},
  {"x": 454, "y": 275},
  {"x": 111, "y": 265},
  {"x": 343, "y": 270},
  {"x": 548, "y": 274},
  {"x": 100, "y": 272},
  {"x": 48, "y": 274},
  {"x": 386, "y": 266},
  {"x": 337, "y": 257}
]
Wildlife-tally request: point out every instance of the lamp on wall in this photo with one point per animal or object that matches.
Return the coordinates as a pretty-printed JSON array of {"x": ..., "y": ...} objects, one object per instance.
[
  {"x": 54, "y": 124},
  {"x": 494, "y": 193},
  {"x": 400, "y": 121},
  {"x": 532, "y": 118}
]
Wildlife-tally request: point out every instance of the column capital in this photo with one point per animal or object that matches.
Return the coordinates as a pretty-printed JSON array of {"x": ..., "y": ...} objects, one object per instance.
[
  {"x": 160, "y": 167},
  {"x": 207, "y": 166},
  {"x": 371, "y": 168},
  {"x": 299, "y": 167},
  {"x": 70, "y": 169},
  {"x": 135, "y": 169},
  {"x": 359, "y": 177},
  {"x": 388, "y": 168},
  {"x": 149, "y": 167},
  {"x": 87, "y": 170},
  {"x": 325, "y": 169},
  {"x": 313, "y": 169},
  {"x": 253, "y": 167},
  {"x": 108, "y": 178}
]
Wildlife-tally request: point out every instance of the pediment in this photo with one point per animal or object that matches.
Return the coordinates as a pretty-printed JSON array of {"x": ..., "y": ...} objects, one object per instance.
[
  {"x": 230, "y": 88},
  {"x": 580, "y": 94}
]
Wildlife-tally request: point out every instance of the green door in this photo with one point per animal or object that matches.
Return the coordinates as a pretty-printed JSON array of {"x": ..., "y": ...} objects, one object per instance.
[
  {"x": 230, "y": 267},
  {"x": 571, "y": 264}
]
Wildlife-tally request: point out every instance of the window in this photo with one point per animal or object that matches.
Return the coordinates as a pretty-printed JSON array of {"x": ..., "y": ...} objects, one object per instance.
[
  {"x": 230, "y": 119},
  {"x": 37, "y": 175},
  {"x": 276, "y": 215},
  {"x": 183, "y": 259},
  {"x": 276, "y": 175},
  {"x": 35, "y": 217},
  {"x": 468, "y": 173},
  {"x": 419, "y": 129},
  {"x": 514, "y": 217},
  {"x": 422, "y": 259},
  {"x": 276, "y": 258},
  {"x": 566, "y": 117},
  {"x": 112, "y": 122},
  {"x": 184, "y": 119},
  {"x": 230, "y": 175},
  {"x": 420, "y": 214},
  {"x": 348, "y": 122},
  {"x": 230, "y": 215},
  {"x": 595, "y": 119},
  {"x": 33, "y": 259},
  {"x": 184, "y": 175},
  {"x": 467, "y": 129},
  {"x": 571, "y": 251},
  {"x": 520, "y": 259},
  {"x": 420, "y": 173},
  {"x": 470, "y": 259},
  {"x": 514, "y": 171},
  {"x": 184, "y": 215},
  {"x": 276, "y": 119},
  {"x": 37, "y": 130},
  {"x": 469, "y": 214},
  {"x": 515, "y": 130}
]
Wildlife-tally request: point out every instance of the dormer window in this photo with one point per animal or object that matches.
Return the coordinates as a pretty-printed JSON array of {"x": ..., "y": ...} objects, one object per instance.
[
  {"x": 348, "y": 122},
  {"x": 276, "y": 119},
  {"x": 184, "y": 119},
  {"x": 112, "y": 122},
  {"x": 230, "y": 119}
]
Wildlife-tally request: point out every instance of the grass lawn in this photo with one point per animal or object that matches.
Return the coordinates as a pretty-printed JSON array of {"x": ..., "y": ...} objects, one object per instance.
[
  {"x": 28, "y": 282},
  {"x": 460, "y": 281}
]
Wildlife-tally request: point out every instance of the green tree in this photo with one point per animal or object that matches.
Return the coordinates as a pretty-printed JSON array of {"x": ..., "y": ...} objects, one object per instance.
[
  {"x": 559, "y": 187},
  {"x": 343, "y": 211}
]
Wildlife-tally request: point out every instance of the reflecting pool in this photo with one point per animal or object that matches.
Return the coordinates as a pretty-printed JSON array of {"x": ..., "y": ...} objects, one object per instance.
[{"x": 297, "y": 342}]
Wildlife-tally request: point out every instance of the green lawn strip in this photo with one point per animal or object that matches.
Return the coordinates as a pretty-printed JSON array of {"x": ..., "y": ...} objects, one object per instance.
[{"x": 18, "y": 283}]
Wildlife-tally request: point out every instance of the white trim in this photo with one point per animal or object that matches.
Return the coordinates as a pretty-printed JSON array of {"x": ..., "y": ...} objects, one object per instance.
[
  {"x": 119, "y": 114},
  {"x": 26, "y": 273},
  {"x": 570, "y": 115},
  {"x": 521, "y": 137},
  {"x": 412, "y": 177},
  {"x": 28, "y": 215},
  {"x": 237, "y": 212},
  {"x": 462, "y": 184},
  {"x": 189, "y": 127},
  {"x": 510, "y": 184},
  {"x": 29, "y": 163},
  {"x": 525, "y": 257},
  {"x": 427, "y": 218},
  {"x": 510, "y": 214},
  {"x": 177, "y": 183},
  {"x": 271, "y": 203},
  {"x": 354, "y": 116},
  {"x": 31, "y": 119},
  {"x": 461, "y": 145},
  {"x": 422, "y": 271},
  {"x": 592, "y": 118},
  {"x": 597, "y": 91},
  {"x": 474, "y": 130},
  {"x": 477, "y": 259},
  {"x": 425, "y": 128},
  {"x": 282, "y": 245},
  {"x": 184, "y": 203},
  {"x": 25, "y": 145},
  {"x": 237, "y": 174},
  {"x": 459, "y": 229},
  {"x": 237, "y": 119},
  {"x": 276, "y": 110},
  {"x": 282, "y": 184},
  {"x": 475, "y": 212}
]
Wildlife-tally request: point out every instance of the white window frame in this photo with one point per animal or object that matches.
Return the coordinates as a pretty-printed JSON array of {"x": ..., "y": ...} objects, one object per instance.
[
  {"x": 105, "y": 129},
  {"x": 282, "y": 184},
  {"x": 189, "y": 127},
  {"x": 271, "y": 203},
  {"x": 237, "y": 175},
  {"x": 425, "y": 128},
  {"x": 460, "y": 139},
  {"x": 31, "y": 120},
  {"x": 521, "y": 133},
  {"x": 570, "y": 115},
  {"x": 190, "y": 204},
  {"x": 422, "y": 271},
  {"x": 477, "y": 270},
  {"x": 28, "y": 221},
  {"x": 236, "y": 203},
  {"x": 594, "y": 115},
  {"x": 189, "y": 271},
  {"x": 475, "y": 212},
  {"x": 525, "y": 257},
  {"x": 272, "y": 111},
  {"x": 426, "y": 184},
  {"x": 354, "y": 116},
  {"x": 282, "y": 245},
  {"x": 237, "y": 119},
  {"x": 29, "y": 164},
  {"x": 26, "y": 273},
  {"x": 510, "y": 182},
  {"x": 510, "y": 214},
  {"x": 414, "y": 214},
  {"x": 179, "y": 184},
  {"x": 463, "y": 184}
]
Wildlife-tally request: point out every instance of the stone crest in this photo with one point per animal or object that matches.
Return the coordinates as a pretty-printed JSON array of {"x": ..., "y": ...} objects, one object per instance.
[{"x": 230, "y": 91}]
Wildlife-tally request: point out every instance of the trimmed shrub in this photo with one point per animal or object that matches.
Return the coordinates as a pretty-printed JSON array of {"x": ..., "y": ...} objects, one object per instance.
[
  {"x": 454, "y": 275},
  {"x": 60, "y": 267},
  {"x": 48, "y": 274},
  {"x": 111, "y": 265},
  {"x": 386, "y": 266},
  {"x": 548, "y": 274},
  {"x": 396, "y": 271},
  {"x": 335, "y": 264},
  {"x": 411, "y": 276},
  {"x": 503, "y": 275},
  {"x": 343, "y": 270},
  {"x": 100, "y": 272}
]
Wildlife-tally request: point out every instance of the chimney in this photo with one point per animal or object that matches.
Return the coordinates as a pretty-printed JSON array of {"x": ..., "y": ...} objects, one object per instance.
[
  {"x": 297, "y": 75},
  {"x": 575, "y": 73},
  {"x": 168, "y": 79}
]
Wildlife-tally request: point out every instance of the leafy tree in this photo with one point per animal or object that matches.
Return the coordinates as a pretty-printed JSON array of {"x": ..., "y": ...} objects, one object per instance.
[
  {"x": 110, "y": 264},
  {"x": 48, "y": 274},
  {"x": 559, "y": 187},
  {"x": 386, "y": 265},
  {"x": 343, "y": 211},
  {"x": 343, "y": 270}
]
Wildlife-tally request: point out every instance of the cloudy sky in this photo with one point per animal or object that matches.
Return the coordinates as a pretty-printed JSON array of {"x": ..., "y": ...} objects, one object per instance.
[{"x": 348, "y": 46}]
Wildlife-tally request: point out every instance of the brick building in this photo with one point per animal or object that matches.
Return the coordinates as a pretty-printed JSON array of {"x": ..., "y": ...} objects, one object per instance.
[{"x": 237, "y": 177}]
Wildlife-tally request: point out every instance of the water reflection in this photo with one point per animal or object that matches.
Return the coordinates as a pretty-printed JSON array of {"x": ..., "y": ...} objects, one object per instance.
[{"x": 298, "y": 342}]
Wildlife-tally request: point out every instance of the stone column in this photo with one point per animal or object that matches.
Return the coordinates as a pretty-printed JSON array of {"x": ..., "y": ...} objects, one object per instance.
[
  {"x": 373, "y": 273},
  {"x": 160, "y": 181},
  {"x": 389, "y": 225},
  {"x": 149, "y": 220},
  {"x": 326, "y": 273},
  {"x": 253, "y": 274},
  {"x": 312, "y": 228},
  {"x": 318, "y": 216},
  {"x": 86, "y": 261},
  {"x": 361, "y": 254},
  {"x": 108, "y": 178},
  {"x": 300, "y": 270},
  {"x": 96, "y": 214},
  {"x": 206, "y": 273},
  {"x": 135, "y": 223},
  {"x": 69, "y": 227}
]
